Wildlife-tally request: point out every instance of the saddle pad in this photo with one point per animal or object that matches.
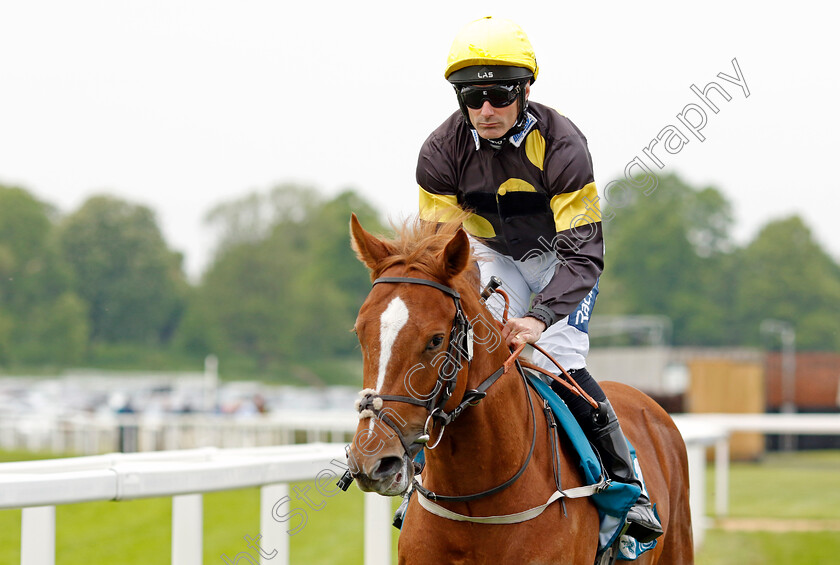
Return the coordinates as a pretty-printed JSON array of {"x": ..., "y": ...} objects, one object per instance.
[{"x": 616, "y": 500}]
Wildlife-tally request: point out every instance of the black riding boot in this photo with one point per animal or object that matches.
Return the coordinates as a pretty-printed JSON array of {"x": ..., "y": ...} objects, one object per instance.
[
  {"x": 606, "y": 435},
  {"x": 604, "y": 432}
]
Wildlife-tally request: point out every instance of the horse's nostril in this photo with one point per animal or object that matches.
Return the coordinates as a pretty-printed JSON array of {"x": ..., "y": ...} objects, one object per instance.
[{"x": 386, "y": 467}]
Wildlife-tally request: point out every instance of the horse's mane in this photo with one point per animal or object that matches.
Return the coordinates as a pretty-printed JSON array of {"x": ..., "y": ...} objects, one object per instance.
[{"x": 419, "y": 243}]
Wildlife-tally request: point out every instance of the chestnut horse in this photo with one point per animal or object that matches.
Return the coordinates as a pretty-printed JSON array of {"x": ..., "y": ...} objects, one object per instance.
[{"x": 494, "y": 444}]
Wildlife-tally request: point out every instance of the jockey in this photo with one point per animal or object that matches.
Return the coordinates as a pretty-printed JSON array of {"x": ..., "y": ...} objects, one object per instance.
[{"x": 523, "y": 172}]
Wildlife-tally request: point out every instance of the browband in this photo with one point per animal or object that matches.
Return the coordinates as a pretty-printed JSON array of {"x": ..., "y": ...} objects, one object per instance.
[{"x": 443, "y": 288}]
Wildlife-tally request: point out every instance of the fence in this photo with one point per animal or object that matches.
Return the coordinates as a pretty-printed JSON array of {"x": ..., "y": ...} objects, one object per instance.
[
  {"x": 184, "y": 475},
  {"x": 84, "y": 433},
  {"x": 716, "y": 429}
]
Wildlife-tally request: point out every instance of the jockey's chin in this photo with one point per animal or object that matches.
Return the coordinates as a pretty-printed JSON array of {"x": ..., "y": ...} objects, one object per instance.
[{"x": 391, "y": 478}]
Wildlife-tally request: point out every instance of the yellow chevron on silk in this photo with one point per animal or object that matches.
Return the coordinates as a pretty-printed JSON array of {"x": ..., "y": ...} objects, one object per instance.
[
  {"x": 573, "y": 209},
  {"x": 443, "y": 207},
  {"x": 515, "y": 185},
  {"x": 535, "y": 148}
]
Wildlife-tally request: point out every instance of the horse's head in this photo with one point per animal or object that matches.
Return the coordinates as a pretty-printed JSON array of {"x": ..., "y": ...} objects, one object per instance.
[{"x": 416, "y": 340}]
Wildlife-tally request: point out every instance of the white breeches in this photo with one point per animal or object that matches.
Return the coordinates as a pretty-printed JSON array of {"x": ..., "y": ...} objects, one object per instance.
[{"x": 567, "y": 339}]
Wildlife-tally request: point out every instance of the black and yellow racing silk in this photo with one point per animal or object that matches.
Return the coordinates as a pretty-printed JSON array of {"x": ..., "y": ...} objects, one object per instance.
[{"x": 534, "y": 193}]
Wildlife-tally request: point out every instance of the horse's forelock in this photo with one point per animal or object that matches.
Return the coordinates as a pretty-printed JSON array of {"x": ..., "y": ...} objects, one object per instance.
[{"x": 418, "y": 244}]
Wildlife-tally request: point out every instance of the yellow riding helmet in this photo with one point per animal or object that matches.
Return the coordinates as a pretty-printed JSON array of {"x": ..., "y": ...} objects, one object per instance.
[{"x": 491, "y": 45}]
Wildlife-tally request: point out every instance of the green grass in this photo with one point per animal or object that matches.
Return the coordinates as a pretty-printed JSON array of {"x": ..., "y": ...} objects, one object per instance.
[
  {"x": 329, "y": 536},
  {"x": 801, "y": 485},
  {"x": 766, "y": 548},
  {"x": 783, "y": 485},
  {"x": 804, "y": 485}
]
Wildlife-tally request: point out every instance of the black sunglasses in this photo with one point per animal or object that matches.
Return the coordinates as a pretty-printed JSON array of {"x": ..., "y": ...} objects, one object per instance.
[{"x": 499, "y": 95}]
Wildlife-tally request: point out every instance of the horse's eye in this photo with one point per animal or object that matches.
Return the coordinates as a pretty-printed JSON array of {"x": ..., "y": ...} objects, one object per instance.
[{"x": 435, "y": 342}]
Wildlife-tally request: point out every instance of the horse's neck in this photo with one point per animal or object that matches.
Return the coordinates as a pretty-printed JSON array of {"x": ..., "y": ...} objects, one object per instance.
[
  {"x": 504, "y": 414},
  {"x": 500, "y": 424}
]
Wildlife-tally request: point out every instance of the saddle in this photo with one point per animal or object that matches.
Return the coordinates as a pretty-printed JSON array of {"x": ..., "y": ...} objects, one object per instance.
[{"x": 615, "y": 500}]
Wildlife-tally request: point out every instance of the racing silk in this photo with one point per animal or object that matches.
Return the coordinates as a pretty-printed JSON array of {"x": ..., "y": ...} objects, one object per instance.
[{"x": 531, "y": 195}]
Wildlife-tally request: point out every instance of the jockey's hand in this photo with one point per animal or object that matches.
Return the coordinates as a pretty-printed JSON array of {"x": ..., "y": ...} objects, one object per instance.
[{"x": 522, "y": 330}]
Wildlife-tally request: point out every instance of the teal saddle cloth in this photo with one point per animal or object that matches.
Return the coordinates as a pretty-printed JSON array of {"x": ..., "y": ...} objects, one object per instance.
[{"x": 617, "y": 499}]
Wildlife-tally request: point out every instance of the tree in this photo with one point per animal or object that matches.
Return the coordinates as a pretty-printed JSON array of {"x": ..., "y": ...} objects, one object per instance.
[
  {"x": 666, "y": 254},
  {"x": 333, "y": 283},
  {"x": 59, "y": 332},
  {"x": 785, "y": 274},
  {"x": 133, "y": 284},
  {"x": 41, "y": 320},
  {"x": 6, "y": 346},
  {"x": 252, "y": 218},
  {"x": 670, "y": 253},
  {"x": 287, "y": 286},
  {"x": 24, "y": 230}
]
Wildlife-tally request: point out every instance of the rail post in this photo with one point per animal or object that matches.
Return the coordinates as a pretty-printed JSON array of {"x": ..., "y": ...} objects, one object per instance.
[
  {"x": 187, "y": 529},
  {"x": 37, "y": 536},
  {"x": 377, "y": 529}
]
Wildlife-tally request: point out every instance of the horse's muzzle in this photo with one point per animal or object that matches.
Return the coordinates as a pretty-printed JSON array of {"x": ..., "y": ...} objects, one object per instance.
[{"x": 388, "y": 476}]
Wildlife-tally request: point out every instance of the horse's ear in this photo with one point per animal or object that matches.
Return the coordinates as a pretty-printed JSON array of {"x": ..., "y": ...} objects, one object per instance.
[
  {"x": 456, "y": 254},
  {"x": 368, "y": 248}
]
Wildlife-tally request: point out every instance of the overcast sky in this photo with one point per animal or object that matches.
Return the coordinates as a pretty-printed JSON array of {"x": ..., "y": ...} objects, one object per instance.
[{"x": 183, "y": 104}]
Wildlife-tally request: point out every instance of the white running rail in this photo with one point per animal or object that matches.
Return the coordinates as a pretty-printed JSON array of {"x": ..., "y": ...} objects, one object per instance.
[
  {"x": 715, "y": 430},
  {"x": 38, "y": 486}
]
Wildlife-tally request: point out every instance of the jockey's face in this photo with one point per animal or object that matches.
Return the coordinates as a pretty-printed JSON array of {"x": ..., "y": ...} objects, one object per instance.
[{"x": 491, "y": 122}]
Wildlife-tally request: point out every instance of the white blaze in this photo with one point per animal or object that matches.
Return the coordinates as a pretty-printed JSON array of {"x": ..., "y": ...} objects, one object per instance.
[{"x": 390, "y": 323}]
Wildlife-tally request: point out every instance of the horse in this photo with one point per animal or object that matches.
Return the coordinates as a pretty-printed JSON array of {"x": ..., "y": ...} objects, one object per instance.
[{"x": 436, "y": 378}]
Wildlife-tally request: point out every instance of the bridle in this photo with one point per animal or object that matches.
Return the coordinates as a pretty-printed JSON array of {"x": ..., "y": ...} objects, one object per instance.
[
  {"x": 460, "y": 347},
  {"x": 451, "y": 362}
]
